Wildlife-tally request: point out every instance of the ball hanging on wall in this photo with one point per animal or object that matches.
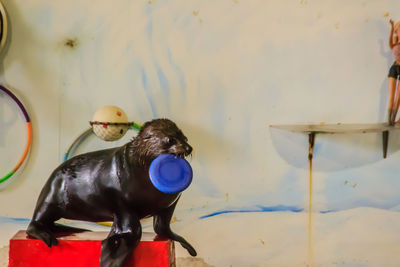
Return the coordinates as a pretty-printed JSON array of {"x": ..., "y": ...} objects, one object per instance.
[{"x": 110, "y": 123}]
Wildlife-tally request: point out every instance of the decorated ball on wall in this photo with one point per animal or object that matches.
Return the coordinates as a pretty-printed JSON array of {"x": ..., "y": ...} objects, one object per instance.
[{"x": 110, "y": 123}]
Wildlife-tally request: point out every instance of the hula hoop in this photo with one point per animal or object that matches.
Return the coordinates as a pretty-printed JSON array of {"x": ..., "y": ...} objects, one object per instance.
[
  {"x": 85, "y": 134},
  {"x": 29, "y": 128},
  {"x": 3, "y": 26}
]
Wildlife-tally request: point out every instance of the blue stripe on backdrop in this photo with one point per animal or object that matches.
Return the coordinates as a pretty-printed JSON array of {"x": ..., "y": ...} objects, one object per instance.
[{"x": 256, "y": 209}]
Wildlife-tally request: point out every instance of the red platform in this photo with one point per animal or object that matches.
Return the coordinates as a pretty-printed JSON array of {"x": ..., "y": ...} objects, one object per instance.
[{"x": 83, "y": 250}]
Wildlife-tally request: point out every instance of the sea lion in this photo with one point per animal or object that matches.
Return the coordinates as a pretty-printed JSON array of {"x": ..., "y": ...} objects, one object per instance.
[{"x": 113, "y": 185}]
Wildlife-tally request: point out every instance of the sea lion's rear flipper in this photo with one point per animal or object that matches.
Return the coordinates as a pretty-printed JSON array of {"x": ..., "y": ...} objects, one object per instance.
[
  {"x": 121, "y": 241},
  {"x": 60, "y": 228},
  {"x": 161, "y": 225},
  {"x": 39, "y": 231}
]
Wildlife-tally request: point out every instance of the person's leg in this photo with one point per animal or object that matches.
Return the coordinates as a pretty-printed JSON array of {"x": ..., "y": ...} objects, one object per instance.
[
  {"x": 392, "y": 90},
  {"x": 396, "y": 100}
]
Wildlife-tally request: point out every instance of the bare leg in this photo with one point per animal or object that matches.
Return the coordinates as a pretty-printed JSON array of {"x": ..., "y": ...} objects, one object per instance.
[
  {"x": 121, "y": 241},
  {"x": 396, "y": 102},
  {"x": 392, "y": 90},
  {"x": 161, "y": 225}
]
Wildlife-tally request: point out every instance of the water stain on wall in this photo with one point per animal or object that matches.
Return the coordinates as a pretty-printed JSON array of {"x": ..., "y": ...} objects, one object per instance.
[
  {"x": 348, "y": 183},
  {"x": 196, "y": 13},
  {"x": 311, "y": 146},
  {"x": 71, "y": 43}
]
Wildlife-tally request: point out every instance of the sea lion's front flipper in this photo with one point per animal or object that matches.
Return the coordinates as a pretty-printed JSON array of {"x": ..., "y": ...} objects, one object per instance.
[
  {"x": 42, "y": 232},
  {"x": 161, "y": 225},
  {"x": 121, "y": 241}
]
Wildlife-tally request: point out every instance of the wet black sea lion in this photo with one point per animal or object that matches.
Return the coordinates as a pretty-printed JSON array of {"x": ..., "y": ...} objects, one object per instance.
[{"x": 113, "y": 184}]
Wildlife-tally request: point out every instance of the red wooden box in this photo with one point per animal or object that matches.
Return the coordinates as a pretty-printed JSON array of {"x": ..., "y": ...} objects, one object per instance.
[{"x": 83, "y": 250}]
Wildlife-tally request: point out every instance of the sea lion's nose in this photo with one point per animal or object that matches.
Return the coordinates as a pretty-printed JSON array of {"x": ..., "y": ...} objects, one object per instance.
[{"x": 188, "y": 149}]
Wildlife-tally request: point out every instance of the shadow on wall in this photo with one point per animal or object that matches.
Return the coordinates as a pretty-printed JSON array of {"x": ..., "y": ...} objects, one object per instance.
[
  {"x": 333, "y": 152},
  {"x": 340, "y": 151}
]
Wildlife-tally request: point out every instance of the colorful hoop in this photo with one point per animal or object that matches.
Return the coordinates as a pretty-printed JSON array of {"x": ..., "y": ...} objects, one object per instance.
[
  {"x": 3, "y": 26},
  {"x": 29, "y": 141}
]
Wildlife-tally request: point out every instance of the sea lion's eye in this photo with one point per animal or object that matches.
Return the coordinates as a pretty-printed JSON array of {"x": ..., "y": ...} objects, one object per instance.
[{"x": 171, "y": 141}]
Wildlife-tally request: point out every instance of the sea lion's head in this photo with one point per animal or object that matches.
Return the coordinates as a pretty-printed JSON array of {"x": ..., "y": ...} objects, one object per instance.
[{"x": 160, "y": 136}]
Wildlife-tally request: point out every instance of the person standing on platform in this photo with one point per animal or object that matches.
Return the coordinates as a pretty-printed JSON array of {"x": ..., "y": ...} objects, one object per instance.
[{"x": 394, "y": 73}]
